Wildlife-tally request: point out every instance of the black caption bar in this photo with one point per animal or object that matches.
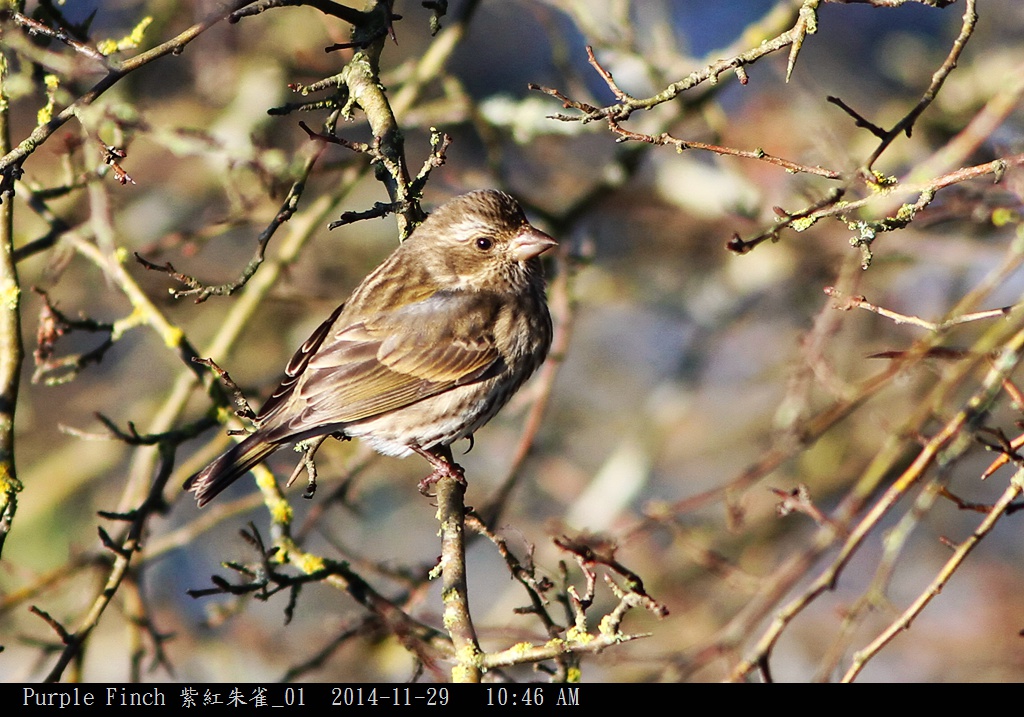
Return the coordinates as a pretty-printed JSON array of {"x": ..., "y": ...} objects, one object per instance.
[{"x": 240, "y": 697}]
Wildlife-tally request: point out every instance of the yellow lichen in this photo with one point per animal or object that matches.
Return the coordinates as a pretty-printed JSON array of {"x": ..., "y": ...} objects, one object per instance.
[
  {"x": 8, "y": 483},
  {"x": 1003, "y": 216},
  {"x": 607, "y": 628},
  {"x": 128, "y": 42},
  {"x": 468, "y": 655},
  {"x": 10, "y": 293},
  {"x": 461, "y": 673},
  {"x": 582, "y": 637},
  {"x": 173, "y": 337},
  {"x": 557, "y": 644},
  {"x": 905, "y": 213},
  {"x": 45, "y": 113},
  {"x": 281, "y": 513},
  {"x": 803, "y": 224},
  {"x": 880, "y": 182},
  {"x": 309, "y": 563}
]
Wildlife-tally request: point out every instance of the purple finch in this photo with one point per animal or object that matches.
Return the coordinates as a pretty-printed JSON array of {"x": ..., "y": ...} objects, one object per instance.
[{"x": 426, "y": 350}]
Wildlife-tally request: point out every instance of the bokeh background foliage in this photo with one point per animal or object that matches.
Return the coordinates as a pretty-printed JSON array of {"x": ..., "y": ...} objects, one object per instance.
[{"x": 784, "y": 395}]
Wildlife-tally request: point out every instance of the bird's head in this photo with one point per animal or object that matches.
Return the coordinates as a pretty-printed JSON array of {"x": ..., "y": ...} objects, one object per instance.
[{"x": 482, "y": 240}]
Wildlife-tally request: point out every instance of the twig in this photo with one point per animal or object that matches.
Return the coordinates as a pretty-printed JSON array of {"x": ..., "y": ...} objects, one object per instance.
[
  {"x": 859, "y": 302},
  {"x": 627, "y": 105},
  {"x": 830, "y": 206},
  {"x": 859, "y": 120},
  {"x": 759, "y": 154},
  {"x": 242, "y": 407},
  {"x": 903, "y": 622},
  {"x": 122, "y": 550},
  {"x": 306, "y": 463},
  {"x": 34, "y": 27},
  {"x": 289, "y": 206},
  {"x": 10, "y": 163},
  {"x": 966, "y": 417},
  {"x": 798, "y": 500},
  {"x": 327, "y": 7},
  {"x": 52, "y": 325},
  {"x": 594, "y": 551},
  {"x": 438, "y": 9},
  {"x": 907, "y": 123}
]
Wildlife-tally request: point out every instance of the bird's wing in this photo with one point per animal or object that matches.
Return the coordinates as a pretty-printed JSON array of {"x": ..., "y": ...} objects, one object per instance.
[
  {"x": 297, "y": 364},
  {"x": 388, "y": 361}
]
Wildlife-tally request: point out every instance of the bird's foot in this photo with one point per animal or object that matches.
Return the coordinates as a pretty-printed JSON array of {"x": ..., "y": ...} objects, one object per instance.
[{"x": 444, "y": 467}]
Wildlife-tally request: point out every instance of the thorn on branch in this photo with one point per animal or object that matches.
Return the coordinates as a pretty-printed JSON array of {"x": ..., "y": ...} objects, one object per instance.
[
  {"x": 592, "y": 550},
  {"x": 858, "y": 119},
  {"x": 61, "y": 631},
  {"x": 195, "y": 287},
  {"x": 606, "y": 75},
  {"x": 590, "y": 113},
  {"x": 111, "y": 545},
  {"x": 439, "y": 143},
  {"x": 361, "y": 147},
  {"x": 306, "y": 463},
  {"x": 392, "y": 18},
  {"x": 242, "y": 408},
  {"x": 363, "y": 42},
  {"x": 806, "y": 24},
  {"x": 1007, "y": 448},
  {"x": 132, "y": 437},
  {"x": 380, "y": 209}
]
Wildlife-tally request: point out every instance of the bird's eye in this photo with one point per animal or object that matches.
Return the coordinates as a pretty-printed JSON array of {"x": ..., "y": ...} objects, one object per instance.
[{"x": 484, "y": 243}]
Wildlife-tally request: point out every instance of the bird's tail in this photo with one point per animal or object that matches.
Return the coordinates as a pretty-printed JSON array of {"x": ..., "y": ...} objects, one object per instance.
[{"x": 224, "y": 471}]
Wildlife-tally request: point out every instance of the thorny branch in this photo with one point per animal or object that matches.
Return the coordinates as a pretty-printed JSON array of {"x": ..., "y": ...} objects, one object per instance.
[
  {"x": 805, "y": 23},
  {"x": 12, "y": 160},
  {"x": 968, "y": 417}
]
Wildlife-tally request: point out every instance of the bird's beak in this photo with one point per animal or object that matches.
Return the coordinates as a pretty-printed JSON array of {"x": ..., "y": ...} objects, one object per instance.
[{"x": 530, "y": 242}]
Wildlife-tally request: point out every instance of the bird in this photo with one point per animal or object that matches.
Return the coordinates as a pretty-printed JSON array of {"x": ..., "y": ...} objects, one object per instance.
[{"x": 425, "y": 351}]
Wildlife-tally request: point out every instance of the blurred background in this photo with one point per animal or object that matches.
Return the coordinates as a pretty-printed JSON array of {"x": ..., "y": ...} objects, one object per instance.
[{"x": 693, "y": 383}]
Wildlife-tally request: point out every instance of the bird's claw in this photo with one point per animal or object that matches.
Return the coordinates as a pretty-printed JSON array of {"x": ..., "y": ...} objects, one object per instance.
[
  {"x": 442, "y": 471},
  {"x": 444, "y": 467}
]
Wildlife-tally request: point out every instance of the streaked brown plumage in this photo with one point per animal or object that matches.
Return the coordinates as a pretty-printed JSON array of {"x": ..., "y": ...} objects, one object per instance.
[{"x": 426, "y": 350}]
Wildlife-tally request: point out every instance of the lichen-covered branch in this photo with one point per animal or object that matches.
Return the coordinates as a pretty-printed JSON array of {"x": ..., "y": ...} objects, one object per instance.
[{"x": 11, "y": 350}]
